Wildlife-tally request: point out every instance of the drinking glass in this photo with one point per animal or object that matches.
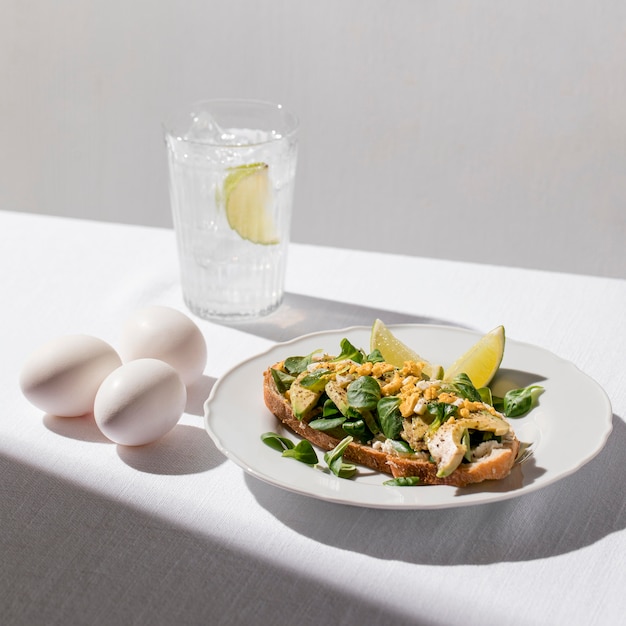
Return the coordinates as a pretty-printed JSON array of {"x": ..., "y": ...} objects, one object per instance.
[{"x": 232, "y": 166}]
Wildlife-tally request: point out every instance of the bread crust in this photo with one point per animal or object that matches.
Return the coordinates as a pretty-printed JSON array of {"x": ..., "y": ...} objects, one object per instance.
[{"x": 494, "y": 466}]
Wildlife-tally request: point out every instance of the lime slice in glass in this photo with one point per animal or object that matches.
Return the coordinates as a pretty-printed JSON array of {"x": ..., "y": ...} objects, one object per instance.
[
  {"x": 247, "y": 198},
  {"x": 482, "y": 360},
  {"x": 396, "y": 352}
]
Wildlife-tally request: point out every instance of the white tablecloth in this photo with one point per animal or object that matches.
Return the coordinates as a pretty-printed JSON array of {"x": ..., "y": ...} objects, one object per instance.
[{"x": 173, "y": 533}]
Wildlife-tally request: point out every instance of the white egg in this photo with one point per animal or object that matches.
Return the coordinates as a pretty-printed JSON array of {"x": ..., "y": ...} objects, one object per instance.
[
  {"x": 62, "y": 377},
  {"x": 163, "y": 333},
  {"x": 140, "y": 402}
]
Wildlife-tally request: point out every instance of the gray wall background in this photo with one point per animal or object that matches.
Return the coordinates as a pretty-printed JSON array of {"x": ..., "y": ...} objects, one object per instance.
[{"x": 491, "y": 131}]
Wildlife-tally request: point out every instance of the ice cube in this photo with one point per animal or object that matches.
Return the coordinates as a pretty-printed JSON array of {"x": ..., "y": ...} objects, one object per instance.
[{"x": 204, "y": 128}]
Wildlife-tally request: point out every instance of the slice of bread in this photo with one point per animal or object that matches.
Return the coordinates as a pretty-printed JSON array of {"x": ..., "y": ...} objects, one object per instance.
[{"x": 495, "y": 465}]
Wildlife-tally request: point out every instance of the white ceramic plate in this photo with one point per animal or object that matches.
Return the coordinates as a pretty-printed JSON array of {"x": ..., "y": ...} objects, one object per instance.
[{"x": 567, "y": 428}]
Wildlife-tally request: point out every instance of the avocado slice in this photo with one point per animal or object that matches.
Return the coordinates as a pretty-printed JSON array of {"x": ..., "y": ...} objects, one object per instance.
[
  {"x": 303, "y": 400},
  {"x": 448, "y": 445},
  {"x": 338, "y": 395},
  {"x": 447, "y": 448},
  {"x": 414, "y": 431},
  {"x": 486, "y": 422}
]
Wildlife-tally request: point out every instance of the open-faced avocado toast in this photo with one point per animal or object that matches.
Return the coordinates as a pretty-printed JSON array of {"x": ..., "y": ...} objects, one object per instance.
[{"x": 402, "y": 421}]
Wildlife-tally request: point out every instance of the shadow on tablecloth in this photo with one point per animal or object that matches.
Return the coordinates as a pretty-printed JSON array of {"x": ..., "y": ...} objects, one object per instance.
[
  {"x": 575, "y": 512},
  {"x": 110, "y": 562},
  {"x": 300, "y": 315},
  {"x": 186, "y": 449}
]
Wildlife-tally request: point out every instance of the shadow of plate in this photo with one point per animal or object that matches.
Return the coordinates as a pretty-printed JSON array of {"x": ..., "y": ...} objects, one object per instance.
[{"x": 575, "y": 512}]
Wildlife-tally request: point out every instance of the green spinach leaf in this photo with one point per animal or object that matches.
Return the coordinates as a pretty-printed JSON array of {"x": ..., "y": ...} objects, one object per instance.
[
  {"x": 334, "y": 460},
  {"x": 303, "y": 452},
  {"x": 463, "y": 387},
  {"x": 441, "y": 412},
  {"x": 316, "y": 380},
  {"x": 329, "y": 408},
  {"x": 403, "y": 481},
  {"x": 518, "y": 402},
  {"x": 401, "y": 447},
  {"x": 375, "y": 356},
  {"x": 390, "y": 416},
  {"x": 348, "y": 351},
  {"x": 282, "y": 380},
  {"x": 297, "y": 364},
  {"x": 355, "y": 427},
  {"x": 364, "y": 393},
  {"x": 327, "y": 423},
  {"x": 277, "y": 442}
]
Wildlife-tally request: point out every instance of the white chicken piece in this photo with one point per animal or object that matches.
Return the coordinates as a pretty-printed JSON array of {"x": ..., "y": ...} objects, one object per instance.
[{"x": 446, "y": 444}]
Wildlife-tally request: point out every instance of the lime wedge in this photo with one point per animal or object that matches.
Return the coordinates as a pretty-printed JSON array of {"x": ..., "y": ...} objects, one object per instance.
[
  {"x": 482, "y": 360},
  {"x": 247, "y": 197},
  {"x": 396, "y": 352}
]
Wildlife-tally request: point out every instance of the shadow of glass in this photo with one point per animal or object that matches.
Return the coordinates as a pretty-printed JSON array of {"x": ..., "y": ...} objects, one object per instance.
[
  {"x": 300, "y": 315},
  {"x": 575, "y": 512}
]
